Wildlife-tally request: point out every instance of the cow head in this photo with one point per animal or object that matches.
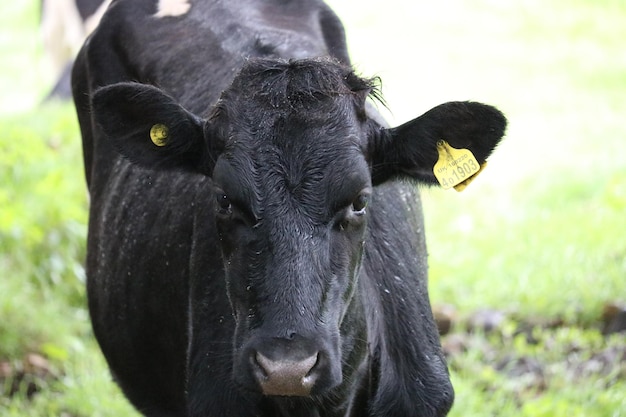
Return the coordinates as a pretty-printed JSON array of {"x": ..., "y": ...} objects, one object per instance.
[{"x": 293, "y": 157}]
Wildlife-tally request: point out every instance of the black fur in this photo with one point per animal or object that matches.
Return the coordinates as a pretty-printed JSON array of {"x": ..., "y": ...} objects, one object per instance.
[
  {"x": 410, "y": 150},
  {"x": 268, "y": 224}
]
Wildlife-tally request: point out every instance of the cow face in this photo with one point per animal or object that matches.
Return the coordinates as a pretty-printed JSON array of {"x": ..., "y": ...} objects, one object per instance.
[
  {"x": 293, "y": 158},
  {"x": 292, "y": 188}
]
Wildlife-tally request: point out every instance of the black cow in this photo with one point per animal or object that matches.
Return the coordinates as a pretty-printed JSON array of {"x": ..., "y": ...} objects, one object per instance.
[{"x": 250, "y": 250}]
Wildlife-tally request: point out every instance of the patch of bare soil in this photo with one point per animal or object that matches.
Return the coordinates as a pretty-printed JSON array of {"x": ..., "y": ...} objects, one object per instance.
[
  {"x": 530, "y": 356},
  {"x": 27, "y": 376}
]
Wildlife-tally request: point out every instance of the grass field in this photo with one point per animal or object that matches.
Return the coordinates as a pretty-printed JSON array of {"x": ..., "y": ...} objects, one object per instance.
[{"x": 538, "y": 237}]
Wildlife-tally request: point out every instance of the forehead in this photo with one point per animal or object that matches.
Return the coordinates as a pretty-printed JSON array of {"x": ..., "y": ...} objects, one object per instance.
[
  {"x": 309, "y": 167},
  {"x": 325, "y": 130},
  {"x": 293, "y": 132},
  {"x": 297, "y": 159},
  {"x": 310, "y": 93}
]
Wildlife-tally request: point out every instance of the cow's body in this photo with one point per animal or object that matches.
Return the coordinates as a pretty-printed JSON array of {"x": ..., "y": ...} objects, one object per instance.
[{"x": 164, "y": 304}]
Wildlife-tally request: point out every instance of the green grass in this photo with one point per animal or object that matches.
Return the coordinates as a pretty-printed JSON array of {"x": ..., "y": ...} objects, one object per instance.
[
  {"x": 565, "y": 372},
  {"x": 42, "y": 247},
  {"x": 558, "y": 251},
  {"x": 538, "y": 234}
]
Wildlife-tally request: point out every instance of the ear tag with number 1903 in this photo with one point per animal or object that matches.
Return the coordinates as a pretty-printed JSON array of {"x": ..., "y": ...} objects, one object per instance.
[{"x": 455, "y": 167}]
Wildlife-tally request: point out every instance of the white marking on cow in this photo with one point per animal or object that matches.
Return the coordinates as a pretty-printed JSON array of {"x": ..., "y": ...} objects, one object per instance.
[{"x": 172, "y": 8}]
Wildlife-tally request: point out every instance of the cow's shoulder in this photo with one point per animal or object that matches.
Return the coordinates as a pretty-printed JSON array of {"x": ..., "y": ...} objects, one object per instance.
[{"x": 406, "y": 358}]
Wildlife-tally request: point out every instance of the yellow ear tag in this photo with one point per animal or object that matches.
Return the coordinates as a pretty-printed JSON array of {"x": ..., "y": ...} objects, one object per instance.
[
  {"x": 158, "y": 134},
  {"x": 463, "y": 185},
  {"x": 455, "y": 167}
]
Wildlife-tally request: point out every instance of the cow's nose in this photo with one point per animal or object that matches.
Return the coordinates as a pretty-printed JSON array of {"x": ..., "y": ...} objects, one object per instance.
[{"x": 286, "y": 376}]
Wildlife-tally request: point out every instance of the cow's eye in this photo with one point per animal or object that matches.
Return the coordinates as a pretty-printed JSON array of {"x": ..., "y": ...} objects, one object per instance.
[
  {"x": 353, "y": 215},
  {"x": 224, "y": 207},
  {"x": 360, "y": 204}
]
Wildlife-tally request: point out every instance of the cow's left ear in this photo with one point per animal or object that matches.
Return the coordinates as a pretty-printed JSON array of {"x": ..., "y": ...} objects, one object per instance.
[
  {"x": 151, "y": 129},
  {"x": 410, "y": 150}
]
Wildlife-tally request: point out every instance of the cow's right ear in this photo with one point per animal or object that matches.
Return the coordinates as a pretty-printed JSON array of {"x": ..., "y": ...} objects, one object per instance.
[
  {"x": 410, "y": 151},
  {"x": 151, "y": 129}
]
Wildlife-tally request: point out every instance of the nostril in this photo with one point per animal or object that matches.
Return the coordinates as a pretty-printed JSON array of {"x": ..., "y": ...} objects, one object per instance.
[
  {"x": 314, "y": 367},
  {"x": 259, "y": 371},
  {"x": 285, "y": 376},
  {"x": 296, "y": 368}
]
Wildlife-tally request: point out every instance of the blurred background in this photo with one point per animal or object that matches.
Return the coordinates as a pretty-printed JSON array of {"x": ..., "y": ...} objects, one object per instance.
[{"x": 528, "y": 264}]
